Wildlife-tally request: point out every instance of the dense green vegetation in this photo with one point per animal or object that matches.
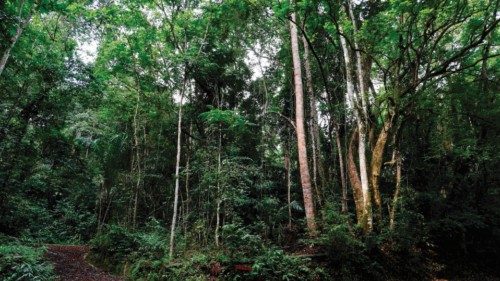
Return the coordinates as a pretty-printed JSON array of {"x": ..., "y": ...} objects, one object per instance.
[
  {"x": 21, "y": 260},
  {"x": 251, "y": 139}
]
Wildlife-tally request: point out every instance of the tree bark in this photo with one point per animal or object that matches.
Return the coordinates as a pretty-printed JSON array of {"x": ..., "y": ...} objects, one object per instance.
[
  {"x": 364, "y": 205},
  {"x": 359, "y": 71},
  {"x": 288, "y": 183},
  {"x": 317, "y": 168},
  {"x": 219, "y": 195},
  {"x": 137, "y": 160},
  {"x": 365, "y": 188},
  {"x": 376, "y": 166},
  {"x": 342, "y": 171},
  {"x": 348, "y": 72},
  {"x": 354, "y": 179},
  {"x": 177, "y": 168},
  {"x": 19, "y": 30},
  {"x": 362, "y": 121},
  {"x": 300, "y": 131},
  {"x": 392, "y": 214},
  {"x": 186, "y": 182}
]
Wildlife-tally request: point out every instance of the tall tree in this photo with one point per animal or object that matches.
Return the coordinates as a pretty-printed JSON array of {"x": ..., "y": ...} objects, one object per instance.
[
  {"x": 300, "y": 130},
  {"x": 177, "y": 169}
]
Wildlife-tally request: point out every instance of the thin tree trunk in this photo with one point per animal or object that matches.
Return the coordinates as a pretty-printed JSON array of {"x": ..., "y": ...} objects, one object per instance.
[
  {"x": 177, "y": 168},
  {"x": 342, "y": 171},
  {"x": 359, "y": 72},
  {"x": 392, "y": 214},
  {"x": 288, "y": 183},
  {"x": 186, "y": 183},
  {"x": 218, "y": 199},
  {"x": 20, "y": 28},
  {"x": 300, "y": 130},
  {"x": 99, "y": 216},
  {"x": 350, "y": 98},
  {"x": 137, "y": 162}
]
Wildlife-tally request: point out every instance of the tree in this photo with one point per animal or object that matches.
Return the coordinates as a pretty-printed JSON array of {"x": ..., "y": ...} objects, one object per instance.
[{"x": 300, "y": 131}]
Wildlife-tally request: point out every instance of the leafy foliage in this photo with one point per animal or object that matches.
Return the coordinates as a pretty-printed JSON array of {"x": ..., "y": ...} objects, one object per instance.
[{"x": 19, "y": 262}]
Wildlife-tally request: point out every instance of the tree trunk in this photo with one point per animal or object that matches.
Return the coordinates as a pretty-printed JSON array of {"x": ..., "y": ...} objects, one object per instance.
[
  {"x": 20, "y": 28},
  {"x": 359, "y": 74},
  {"x": 392, "y": 214},
  {"x": 376, "y": 167},
  {"x": 348, "y": 72},
  {"x": 288, "y": 183},
  {"x": 301, "y": 136},
  {"x": 362, "y": 121},
  {"x": 186, "y": 182},
  {"x": 342, "y": 172},
  {"x": 314, "y": 128},
  {"x": 177, "y": 168},
  {"x": 354, "y": 179},
  {"x": 365, "y": 219},
  {"x": 219, "y": 195},
  {"x": 365, "y": 188},
  {"x": 137, "y": 161}
]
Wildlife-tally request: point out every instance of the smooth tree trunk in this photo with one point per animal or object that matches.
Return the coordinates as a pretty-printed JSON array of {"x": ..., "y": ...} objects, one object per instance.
[
  {"x": 360, "y": 74},
  {"x": 219, "y": 195},
  {"x": 365, "y": 188},
  {"x": 350, "y": 97},
  {"x": 19, "y": 30},
  {"x": 342, "y": 171},
  {"x": 177, "y": 169},
  {"x": 314, "y": 127},
  {"x": 362, "y": 122},
  {"x": 376, "y": 167},
  {"x": 395, "y": 199},
  {"x": 288, "y": 184},
  {"x": 137, "y": 161},
  {"x": 300, "y": 131},
  {"x": 186, "y": 181},
  {"x": 357, "y": 193}
]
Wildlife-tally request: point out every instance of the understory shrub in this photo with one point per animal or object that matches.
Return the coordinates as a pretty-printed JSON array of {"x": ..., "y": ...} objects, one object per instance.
[
  {"x": 24, "y": 263},
  {"x": 111, "y": 248},
  {"x": 144, "y": 256},
  {"x": 383, "y": 255},
  {"x": 274, "y": 264}
]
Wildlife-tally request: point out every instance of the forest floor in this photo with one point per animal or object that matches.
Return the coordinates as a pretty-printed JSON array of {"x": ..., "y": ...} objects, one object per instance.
[{"x": 70, "y": 264}]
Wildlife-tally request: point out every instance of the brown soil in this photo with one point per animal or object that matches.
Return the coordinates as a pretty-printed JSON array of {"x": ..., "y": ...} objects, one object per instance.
[{"x": 70, "y": 264}]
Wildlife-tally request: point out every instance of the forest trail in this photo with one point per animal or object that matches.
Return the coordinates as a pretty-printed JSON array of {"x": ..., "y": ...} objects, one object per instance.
[{"x": 70, "y": 264}]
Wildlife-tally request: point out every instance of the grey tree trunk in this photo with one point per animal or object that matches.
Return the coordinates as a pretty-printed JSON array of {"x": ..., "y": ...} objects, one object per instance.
[
  {"x": 395, "y": 199},
  {"x": 177, "y": 169},
  {"x": 342, "y": 171},
  {"x": 362, "y": 123},
  {"x": 288, "y": 182},
  {"x": 186, "y": 182},
  {"x": 20, "y": 28},
  {"x": 353, "y": 100},
  {"x": 219, "y": 195},
  {"x": 137, "y": 160}
]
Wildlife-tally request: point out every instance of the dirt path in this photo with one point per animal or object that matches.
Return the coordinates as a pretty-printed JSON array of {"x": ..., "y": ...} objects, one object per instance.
[{"x": 70, "y": 265}]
